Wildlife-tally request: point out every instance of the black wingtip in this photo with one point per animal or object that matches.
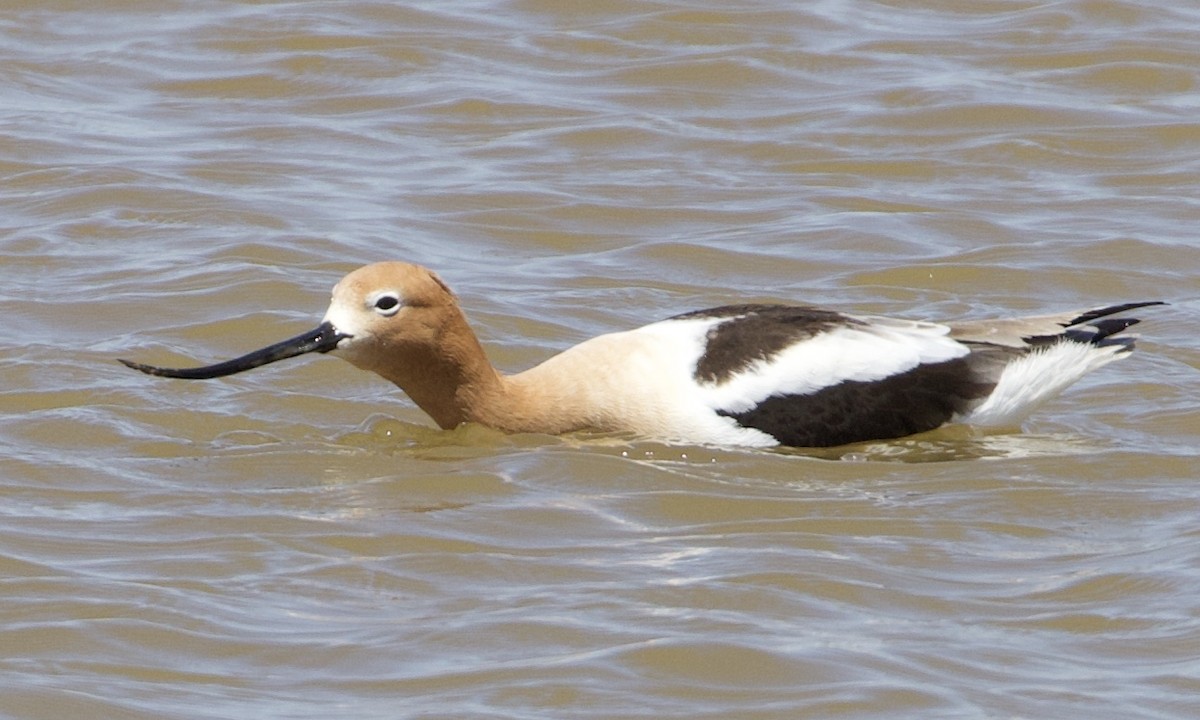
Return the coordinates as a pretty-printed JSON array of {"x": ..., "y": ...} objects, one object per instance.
[
  {"x": 1097, "y": 327},
  {"x": 1111, "y": 326},
  {"x": 1098, "y": 313}
]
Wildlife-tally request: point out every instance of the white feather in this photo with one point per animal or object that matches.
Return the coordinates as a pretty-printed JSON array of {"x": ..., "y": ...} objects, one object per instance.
[{"x": 1029, "y": 381}]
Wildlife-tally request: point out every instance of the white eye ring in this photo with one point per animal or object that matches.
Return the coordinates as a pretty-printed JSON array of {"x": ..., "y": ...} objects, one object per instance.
[{"x": 387, "y": 304}]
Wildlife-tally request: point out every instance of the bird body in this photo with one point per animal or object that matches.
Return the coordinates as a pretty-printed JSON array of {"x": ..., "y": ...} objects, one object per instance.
[{"x": 750, "y": 375}]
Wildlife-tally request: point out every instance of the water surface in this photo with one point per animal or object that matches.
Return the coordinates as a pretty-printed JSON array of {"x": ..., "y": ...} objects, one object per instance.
[{"x": 188, "y": 180}]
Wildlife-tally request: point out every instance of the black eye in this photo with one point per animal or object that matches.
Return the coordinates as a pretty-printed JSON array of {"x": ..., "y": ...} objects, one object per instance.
[{"x": 387, "y": 304}]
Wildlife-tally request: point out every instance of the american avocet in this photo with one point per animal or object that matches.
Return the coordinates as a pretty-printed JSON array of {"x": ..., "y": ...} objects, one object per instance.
[{"x": 754, "y": 375}]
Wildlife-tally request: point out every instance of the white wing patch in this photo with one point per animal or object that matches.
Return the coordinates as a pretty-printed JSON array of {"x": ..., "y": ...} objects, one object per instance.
[{"x": 863, "y": 353}]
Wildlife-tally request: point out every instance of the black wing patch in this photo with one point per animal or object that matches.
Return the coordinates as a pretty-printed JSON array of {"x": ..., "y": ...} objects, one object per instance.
[
  {"x": 756, "y": 332},
  {"x": 855, "y": 411}
]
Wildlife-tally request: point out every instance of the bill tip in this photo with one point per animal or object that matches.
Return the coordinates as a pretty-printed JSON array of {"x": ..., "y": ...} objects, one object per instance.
[{"x": 149, "y": 370}]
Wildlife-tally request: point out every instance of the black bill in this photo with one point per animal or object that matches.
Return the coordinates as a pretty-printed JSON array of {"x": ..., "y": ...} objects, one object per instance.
[{"x": 322, "y": 339}]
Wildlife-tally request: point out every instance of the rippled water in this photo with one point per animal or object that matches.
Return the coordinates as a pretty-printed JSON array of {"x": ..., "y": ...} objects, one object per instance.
[{"x": 188, "y": 180}]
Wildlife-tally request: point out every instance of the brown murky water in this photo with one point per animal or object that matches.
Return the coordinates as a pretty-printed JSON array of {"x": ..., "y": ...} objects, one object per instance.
[{"x": 188, "y": 179}]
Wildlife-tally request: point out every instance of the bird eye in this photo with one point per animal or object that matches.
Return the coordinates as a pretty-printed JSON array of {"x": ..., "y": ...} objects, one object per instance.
[{"x": 387, "y": 304}]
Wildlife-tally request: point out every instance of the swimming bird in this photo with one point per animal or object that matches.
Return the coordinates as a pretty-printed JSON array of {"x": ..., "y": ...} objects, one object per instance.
[{"x": 750, "y": 375}]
